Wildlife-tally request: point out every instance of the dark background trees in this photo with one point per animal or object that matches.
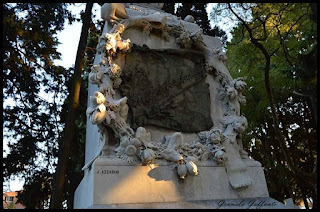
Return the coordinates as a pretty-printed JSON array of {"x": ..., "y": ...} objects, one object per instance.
[
  {"x": 31, "y": 122},
  {"x": 271, "y": 49},
  {"x": 199, "y": 12},
  {"x": 35, "y": 128},
  {"x": 71, "y": 116}
]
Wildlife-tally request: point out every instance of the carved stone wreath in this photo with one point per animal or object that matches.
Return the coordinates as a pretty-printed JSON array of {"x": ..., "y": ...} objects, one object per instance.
[{"x": 106, "y": 110}]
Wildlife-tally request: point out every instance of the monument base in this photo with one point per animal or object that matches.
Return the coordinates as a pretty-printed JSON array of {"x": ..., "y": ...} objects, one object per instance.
[{"x": 111, "y": 183}]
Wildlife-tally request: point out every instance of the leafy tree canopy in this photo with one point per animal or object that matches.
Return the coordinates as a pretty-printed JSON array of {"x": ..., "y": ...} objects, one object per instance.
[
  {"x": 31, "y": 122},
  {"x": 286, "y": 33}
]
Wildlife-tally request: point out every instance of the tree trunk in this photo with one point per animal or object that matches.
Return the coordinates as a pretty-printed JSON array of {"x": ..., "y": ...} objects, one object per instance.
[
  {"x": 274, "y": 113},
  {"x": 305, "y": 200},
  {"x": 64, "y": 151}
]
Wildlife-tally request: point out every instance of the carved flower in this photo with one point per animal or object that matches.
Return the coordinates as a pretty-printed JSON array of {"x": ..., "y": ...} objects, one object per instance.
[
  {"x": 111, "y": 43},
  {"x": 144, "y": 137},
  {"x": 184, "y": 40},
  {"x": 219, "y": 157},
  {"x": 129, "y": 149},
  {"x": 95, "y": 75},
  {"x": 114, "y": 71},
  {"x": 197, "y": 37},
  {"x": 231, "y": 92},
  {"x": 240, "y": 124},
  {"x": 214, "y": 136},
  {"x": 240, "y": 85}
]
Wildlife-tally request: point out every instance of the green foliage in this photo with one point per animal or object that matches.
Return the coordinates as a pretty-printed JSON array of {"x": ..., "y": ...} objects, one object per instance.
[
  {"x": 31, "y": 122},
  {"x": 288, "y": 34}
]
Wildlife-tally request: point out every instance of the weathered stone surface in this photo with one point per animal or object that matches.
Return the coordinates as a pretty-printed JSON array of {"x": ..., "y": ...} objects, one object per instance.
[
  {"x": 107, "y": 184},
  {"x": 167, "y": 88},
  {"x": 173, "y": 79}
]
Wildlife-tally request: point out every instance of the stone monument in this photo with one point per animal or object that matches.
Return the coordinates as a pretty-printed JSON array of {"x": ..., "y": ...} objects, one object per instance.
[{"x": 164, "y": 123}]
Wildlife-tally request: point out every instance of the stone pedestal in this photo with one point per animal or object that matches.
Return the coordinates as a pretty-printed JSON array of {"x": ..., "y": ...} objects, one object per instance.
[
  {"x": 110, "y": 185},
  {"x": 160, "y": 93}
]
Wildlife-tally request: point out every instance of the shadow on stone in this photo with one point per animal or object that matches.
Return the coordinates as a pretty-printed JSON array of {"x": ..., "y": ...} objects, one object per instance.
[{"x": 156, "y": 174}]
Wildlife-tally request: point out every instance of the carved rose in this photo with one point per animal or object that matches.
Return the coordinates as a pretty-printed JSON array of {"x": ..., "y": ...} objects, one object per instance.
[{"x": 96, "y": 74}]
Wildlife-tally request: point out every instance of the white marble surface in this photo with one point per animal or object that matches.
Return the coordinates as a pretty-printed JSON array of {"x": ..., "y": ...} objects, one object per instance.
[
  {"x": 111, "y": 181},
  {"x": 142, "y": 184}
]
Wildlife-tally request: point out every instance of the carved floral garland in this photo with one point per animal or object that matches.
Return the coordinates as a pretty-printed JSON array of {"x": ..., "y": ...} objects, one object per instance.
[{"x": 105, "y": 110}]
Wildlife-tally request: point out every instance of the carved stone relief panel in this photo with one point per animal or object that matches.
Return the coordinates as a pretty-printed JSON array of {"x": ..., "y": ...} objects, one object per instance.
[{"x": 167, "y": 88}]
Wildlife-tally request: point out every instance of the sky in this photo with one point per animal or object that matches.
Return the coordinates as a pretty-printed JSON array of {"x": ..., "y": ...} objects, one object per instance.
[{"x": 69, "y": 38}]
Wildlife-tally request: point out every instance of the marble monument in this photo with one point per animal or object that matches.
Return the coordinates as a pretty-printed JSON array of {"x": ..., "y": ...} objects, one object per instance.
[{"x": 164, "y": 122}]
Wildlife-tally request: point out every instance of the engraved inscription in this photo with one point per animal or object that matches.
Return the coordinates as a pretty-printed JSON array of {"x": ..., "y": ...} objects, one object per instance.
[{"x": 107, "y": 171}]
